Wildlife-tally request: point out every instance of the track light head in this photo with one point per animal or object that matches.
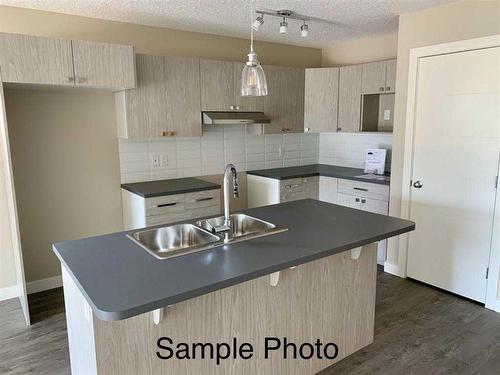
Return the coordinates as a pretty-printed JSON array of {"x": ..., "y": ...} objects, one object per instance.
[
  {"x": 304, "y": 30},
  {"x": 283, "y": 26},
  {"x": 258, "y": 22}
]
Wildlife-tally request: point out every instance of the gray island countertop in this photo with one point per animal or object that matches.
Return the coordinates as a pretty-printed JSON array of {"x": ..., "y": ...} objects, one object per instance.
[
  {"x": 119, "y": 279},
  {"x": 311, "y": 170}
]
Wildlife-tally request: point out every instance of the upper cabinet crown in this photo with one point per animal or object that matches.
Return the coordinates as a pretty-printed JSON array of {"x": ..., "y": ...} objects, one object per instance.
[
  {"x": 51, "y": 61},
  {"x": 379, "y": 77},
  {"x": 220, "y": 83}
]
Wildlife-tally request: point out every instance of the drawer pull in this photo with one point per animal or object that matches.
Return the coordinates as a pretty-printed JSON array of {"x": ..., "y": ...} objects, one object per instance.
[
  {"x": 204, "y": 199},
  {"x": 166, "y": 204},
  {"x": 358, "y": 188}
]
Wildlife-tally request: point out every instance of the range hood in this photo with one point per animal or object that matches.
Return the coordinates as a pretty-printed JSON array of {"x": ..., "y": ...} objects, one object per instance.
[{"x": 234, "y": 117}]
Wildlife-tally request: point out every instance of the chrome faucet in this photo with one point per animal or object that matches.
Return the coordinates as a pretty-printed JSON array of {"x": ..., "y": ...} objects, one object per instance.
[{"x": 230, "y": 171}]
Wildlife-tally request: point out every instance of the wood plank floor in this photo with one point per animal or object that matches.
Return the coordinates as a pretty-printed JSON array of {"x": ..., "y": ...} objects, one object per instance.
[{"x": 418, "y": 330}]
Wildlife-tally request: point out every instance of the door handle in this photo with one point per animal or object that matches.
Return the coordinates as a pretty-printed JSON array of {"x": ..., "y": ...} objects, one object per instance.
[{"x": 417, "y": 184}]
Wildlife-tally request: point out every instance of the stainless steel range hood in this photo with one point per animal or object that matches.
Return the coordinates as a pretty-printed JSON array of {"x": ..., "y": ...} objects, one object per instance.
[{"x": 233, "y": 117}]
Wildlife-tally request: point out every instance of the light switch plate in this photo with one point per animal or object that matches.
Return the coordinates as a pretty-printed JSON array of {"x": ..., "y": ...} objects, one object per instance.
[{"x": 155, "y": 161}]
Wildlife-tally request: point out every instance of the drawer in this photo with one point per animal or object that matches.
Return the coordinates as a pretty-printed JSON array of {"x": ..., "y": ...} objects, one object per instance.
[
  {"x": 203, "y": 212},
  {"x": 164, "y": 205},
  {"x": 348, "y": 200},
  {"x": 201, "y": 199},
  {"x": 364, "y": 189},
  {"x": 166, "y": 219}
]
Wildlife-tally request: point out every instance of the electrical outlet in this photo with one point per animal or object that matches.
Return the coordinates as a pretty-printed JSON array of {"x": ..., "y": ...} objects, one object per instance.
[
  {"x": 155, "y": 161},
  {"x": 163, "y": 160},
  {"x": 387, "y": 114}
]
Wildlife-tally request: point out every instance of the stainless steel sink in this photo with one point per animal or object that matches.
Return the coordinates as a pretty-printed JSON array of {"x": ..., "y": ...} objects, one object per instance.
[
  {"x": 174, "y": 240},
  {"x": 241, "y": 226},
  {"x": 180, "y": 239}
]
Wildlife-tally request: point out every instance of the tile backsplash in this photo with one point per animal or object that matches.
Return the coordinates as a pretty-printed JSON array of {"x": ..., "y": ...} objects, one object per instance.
[
  {"x": 348, "y": 149},
  {"x": 208, "y": 155},
  {"x": 222, "y": 144}
]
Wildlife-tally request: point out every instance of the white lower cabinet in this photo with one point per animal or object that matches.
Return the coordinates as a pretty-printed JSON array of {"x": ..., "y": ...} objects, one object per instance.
[
  {"x": 367, "y": 197},
  {"x": 139, "y": 212}
]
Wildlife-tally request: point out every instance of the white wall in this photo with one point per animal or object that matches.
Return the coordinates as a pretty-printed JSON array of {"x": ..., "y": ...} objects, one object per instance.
[{"x": 208, "y": 155}]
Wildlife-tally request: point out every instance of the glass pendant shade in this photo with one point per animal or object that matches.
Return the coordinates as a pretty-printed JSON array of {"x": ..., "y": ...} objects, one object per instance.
[{"x": 253, "y": 80}]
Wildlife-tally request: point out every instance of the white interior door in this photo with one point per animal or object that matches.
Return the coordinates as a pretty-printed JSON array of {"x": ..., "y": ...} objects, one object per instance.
[
  {"x": 8, "y": 205},
  {"x": 456, "y": 153}
]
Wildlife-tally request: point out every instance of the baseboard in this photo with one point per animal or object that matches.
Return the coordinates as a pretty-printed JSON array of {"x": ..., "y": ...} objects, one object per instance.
[
  {"x": 391, "y": 268},
  {"x": 44, "y": 284},
  {"x": 9, "y": 292}
]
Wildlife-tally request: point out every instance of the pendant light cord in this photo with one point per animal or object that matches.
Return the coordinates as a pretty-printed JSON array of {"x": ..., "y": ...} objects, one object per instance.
[{"x": 251, "y": 30}]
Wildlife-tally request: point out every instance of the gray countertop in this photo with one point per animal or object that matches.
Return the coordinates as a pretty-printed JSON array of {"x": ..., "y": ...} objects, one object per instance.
[
  {"x": 169, "y": 187},
  {"x": 119, "y": 279},
  {"x": 316, "y": 170}
]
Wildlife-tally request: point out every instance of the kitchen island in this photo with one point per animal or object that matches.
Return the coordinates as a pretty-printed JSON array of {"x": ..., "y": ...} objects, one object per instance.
[{"x": 326, "y": 292}]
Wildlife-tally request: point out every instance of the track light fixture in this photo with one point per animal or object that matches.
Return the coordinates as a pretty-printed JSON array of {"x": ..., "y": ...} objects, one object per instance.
[
  {"x": 284, "y": 14},
  {"x": 258, "y": 22},
  {"x": 304, "y": 30},
  {"x": 283, "y": 26}
]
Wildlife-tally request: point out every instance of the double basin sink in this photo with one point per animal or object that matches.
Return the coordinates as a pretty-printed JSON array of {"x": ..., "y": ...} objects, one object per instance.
[{"x": 180, "y": 239}]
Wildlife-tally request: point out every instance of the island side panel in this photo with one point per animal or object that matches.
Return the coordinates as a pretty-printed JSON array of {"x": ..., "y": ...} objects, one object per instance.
[
  {"x": 79, "y": 322},
  {"x": 332, "y": 299}
]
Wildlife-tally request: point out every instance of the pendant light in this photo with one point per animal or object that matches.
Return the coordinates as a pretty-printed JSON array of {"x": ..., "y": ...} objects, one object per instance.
[{"x": 253, "y": 79}]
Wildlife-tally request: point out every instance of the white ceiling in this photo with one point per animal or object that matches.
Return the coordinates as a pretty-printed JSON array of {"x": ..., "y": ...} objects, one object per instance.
[{"x": 353, "y": 18}]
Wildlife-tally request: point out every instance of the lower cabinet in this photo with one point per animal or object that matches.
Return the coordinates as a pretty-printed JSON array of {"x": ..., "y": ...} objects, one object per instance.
[
  {"x": 299, "y": 188},
  {"x": 139, "y": 212},
  {"x": 367, "y": 197}
]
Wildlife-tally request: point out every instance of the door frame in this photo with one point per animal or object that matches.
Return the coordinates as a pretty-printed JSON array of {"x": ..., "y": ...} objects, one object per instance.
[
  {"x": 493, "y": 284},
  {"x": 12, "y": 206}
]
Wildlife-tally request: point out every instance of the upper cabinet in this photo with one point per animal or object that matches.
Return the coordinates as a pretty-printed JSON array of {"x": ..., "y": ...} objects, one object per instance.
[
  {"x": 217, "y": 85},
  {"x": 220, "y": 88},
  {"x": 390, "y": 76},
  {"x": 103, "y": 64},
  {"x": 32, "y": 59},
  {"x": 182, "y": 77},
  {"x": 166, "y": 101},
  {"x": 321, "y": 99},
  {"x": 142, "y": 113},
  {"x": 50, "y": 61},
  {"x": 350, "y": 98},
  {"x": 284, "y": 103},
  {"x": 379, "y": 77}
]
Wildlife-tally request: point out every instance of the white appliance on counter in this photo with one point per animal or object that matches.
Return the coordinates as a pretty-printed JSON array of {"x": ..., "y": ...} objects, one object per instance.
[{"x": 375, "y": 160}]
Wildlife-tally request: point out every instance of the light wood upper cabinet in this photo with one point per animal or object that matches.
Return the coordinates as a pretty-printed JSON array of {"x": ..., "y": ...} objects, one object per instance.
[
  {"x": 349, "y": 114},
  {"x": 373, "y": 81},
  {"x": 390, "y": 76},
  {"x": 217, "y": 85},
  {"x": 182, "y": 77},
  {"x": 37, "y": 60},
  {"x": 293, "y": 116},
  {"x": 103, "y": 64},
  {"x": 166, "y": 101},
  {"x": 284, "y": 103},
  {"x": 142, "y": 112},
  {"x": 245, "y": 103},
  {"x": 321, "y": 99}
]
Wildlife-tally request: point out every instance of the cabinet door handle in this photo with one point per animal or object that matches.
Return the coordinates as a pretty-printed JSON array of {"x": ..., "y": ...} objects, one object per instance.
[
  {"x": 166, "y": 204},
  {"x": 237, "y": 107},
  {"x": 204, "y": 199},
  {"x": 81, "y": 79},
  {"x": 339, "y": 129},
  {"x": 388, "y": 88},
  {"x": 70, "y": 79},
  {"x": 363, "y": 200},
  {"x": 381, "y": 88},
  {"x": 361, "y": 189},
  {"x": 357, "y": 199},
  {"x": 231, "y": 107}
]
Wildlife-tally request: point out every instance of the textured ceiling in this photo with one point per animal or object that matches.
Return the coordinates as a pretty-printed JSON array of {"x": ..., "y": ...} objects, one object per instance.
[{"x": 352, "y": 18}]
